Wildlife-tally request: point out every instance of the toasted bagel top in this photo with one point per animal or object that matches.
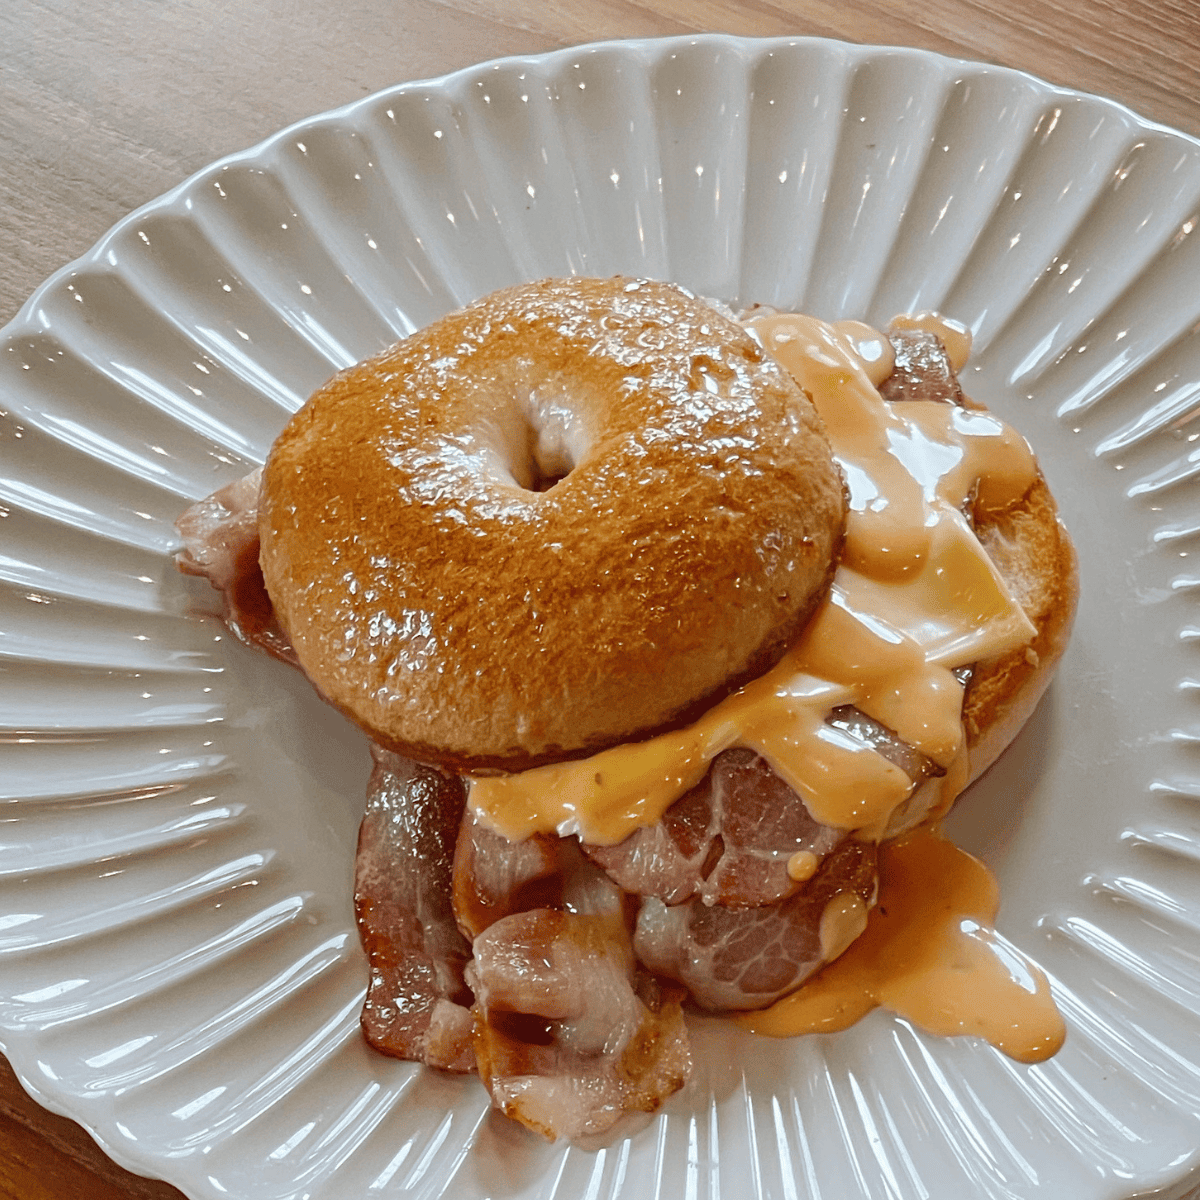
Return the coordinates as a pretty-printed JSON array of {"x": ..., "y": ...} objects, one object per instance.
[{"x": 569, "y": 515}]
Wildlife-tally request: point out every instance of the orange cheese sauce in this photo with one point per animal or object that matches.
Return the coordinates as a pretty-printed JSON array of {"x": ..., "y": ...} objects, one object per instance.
[{"x": 929, "y": 954}]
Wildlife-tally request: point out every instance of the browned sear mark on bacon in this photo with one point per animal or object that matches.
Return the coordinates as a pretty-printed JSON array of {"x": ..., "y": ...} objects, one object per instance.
[
  {"x": 417, "y": 1005},
  {"x": 494, "y": 877}
]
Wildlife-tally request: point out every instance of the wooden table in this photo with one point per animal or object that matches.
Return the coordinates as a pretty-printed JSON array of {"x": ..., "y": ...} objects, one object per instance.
[{"x": 104, "y": 106}]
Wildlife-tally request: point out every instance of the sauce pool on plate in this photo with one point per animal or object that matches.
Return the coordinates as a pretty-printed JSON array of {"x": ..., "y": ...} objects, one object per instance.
[{"x": 930, "y": 954}]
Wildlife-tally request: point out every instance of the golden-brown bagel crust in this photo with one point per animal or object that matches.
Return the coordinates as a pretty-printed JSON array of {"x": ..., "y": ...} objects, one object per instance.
[
  {"x": 1032, "y": 551},
  {"x": 463, "y": 619}
]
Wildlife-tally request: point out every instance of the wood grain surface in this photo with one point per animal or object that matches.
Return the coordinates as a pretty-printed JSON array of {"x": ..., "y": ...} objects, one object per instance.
[{"x": 103, "y": 106}]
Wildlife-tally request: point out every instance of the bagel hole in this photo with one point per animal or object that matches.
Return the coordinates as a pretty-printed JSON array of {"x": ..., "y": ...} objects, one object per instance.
[
  {"x": 534, "y": 437},
  {"x": 537, "y": 467},
  {"x": 543, "y": 483},
  {"x": 544, "y": 475},
  {"x": 553, "y": 444}
]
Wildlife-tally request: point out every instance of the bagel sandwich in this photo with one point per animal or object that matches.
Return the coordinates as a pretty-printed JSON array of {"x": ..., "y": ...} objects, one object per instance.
[{"x": 661, "y": 623}]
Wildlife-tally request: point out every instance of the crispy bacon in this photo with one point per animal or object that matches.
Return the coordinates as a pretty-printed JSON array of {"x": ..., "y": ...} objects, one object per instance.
[{"x": 417, "y": 1004}]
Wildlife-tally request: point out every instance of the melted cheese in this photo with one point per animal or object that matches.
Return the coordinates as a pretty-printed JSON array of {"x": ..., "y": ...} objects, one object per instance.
[
  {"x": 843, "y": 920},
  {"x": 929, "y": 954},
  {"x": 802, "y": 865},
  {"x": 914, "y": 596}
]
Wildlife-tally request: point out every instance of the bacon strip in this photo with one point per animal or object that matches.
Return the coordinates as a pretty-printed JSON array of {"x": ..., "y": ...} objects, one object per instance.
[
  {"x": 570, "y": 1035},
  {"x": 417, "y": 1005},
  {"x": 494, "y": 877},
  {"x": 220, "y": 543},
  {"x": 729, "y": 840}
]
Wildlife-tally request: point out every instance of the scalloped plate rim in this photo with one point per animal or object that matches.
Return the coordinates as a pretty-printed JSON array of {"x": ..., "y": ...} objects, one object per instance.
[{"x": 268, "y": 144}]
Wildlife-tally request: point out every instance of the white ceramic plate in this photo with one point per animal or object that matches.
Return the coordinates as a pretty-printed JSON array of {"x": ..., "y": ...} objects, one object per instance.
[{"x": 180, "y": 969}]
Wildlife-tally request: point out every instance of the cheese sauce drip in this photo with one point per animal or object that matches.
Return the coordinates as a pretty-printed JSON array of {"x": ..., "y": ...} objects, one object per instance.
[
  {"x": 914, "y": 596},
  {"x": 928, "y": 954}
]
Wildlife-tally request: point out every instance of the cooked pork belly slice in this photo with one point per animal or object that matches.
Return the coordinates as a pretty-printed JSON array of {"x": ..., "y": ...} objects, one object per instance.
[
  {"x": 417, "y": 1004},
  {"x": 747, "y": 958},
  {"x": 220, "y": 543},
  {"x": 569, "y": 1035},
  {"x": 730, "y": 839},
  {"x": 727, "y": 841},
  {"x": 922, "y": 371}
]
